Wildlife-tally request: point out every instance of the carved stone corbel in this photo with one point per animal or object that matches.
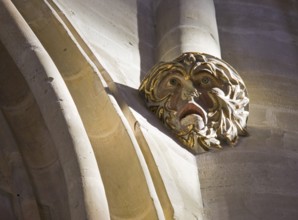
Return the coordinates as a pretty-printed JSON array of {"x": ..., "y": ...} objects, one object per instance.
[{"x": 201, "y": 98}]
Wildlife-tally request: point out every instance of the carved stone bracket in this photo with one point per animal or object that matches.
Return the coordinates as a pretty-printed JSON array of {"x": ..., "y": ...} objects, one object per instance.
[{"x": 201, "y": 98}]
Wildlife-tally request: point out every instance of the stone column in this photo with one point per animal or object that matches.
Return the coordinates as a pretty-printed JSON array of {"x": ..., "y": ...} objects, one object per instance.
[{"x": 185, "y": 26}]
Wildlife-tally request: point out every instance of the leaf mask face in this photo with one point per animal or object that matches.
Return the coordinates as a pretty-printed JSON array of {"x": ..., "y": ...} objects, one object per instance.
[{"x": 200, "y": 98}]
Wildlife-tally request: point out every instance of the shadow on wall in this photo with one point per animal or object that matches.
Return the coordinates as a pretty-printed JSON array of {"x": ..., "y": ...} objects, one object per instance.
[
  {"x": 159, "y": 32},
  {"x": 146, "y": 35},
  {"x": 289, "y": 22},
  {"x": 261, "y": 170},
  {"x": 137, "y": 103}
]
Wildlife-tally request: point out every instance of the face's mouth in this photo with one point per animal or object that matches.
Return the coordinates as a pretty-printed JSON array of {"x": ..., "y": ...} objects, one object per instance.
[{"x": 192, "y": 113}]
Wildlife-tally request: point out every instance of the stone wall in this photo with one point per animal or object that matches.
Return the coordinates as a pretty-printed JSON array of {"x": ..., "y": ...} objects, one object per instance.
[
  {"x": 78, "y": 143},
  {"x": 257, "y": 179}
]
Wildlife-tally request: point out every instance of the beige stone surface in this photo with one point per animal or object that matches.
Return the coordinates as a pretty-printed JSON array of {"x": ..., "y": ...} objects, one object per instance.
[
  {"x": 131, "y": 174},
  {"x": 47, "y": 129},
  {"x": 118, "y": 163},
  {"x": 126, "y": 50},
  {"x": 77, "y": 142}
]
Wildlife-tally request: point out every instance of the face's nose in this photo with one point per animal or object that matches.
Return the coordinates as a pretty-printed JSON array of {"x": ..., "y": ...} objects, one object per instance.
[{"x": 188, "y": 92}]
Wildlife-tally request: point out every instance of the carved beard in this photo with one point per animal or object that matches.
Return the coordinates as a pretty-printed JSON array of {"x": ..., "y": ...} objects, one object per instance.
[{"x": 203, "y": 129}]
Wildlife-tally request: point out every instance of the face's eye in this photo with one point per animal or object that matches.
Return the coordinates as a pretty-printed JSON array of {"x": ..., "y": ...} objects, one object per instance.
[
  {"x": 168, "y": 85},
  {"x": 205, "y": 80},
  {"x": 174, "y": 82}
]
